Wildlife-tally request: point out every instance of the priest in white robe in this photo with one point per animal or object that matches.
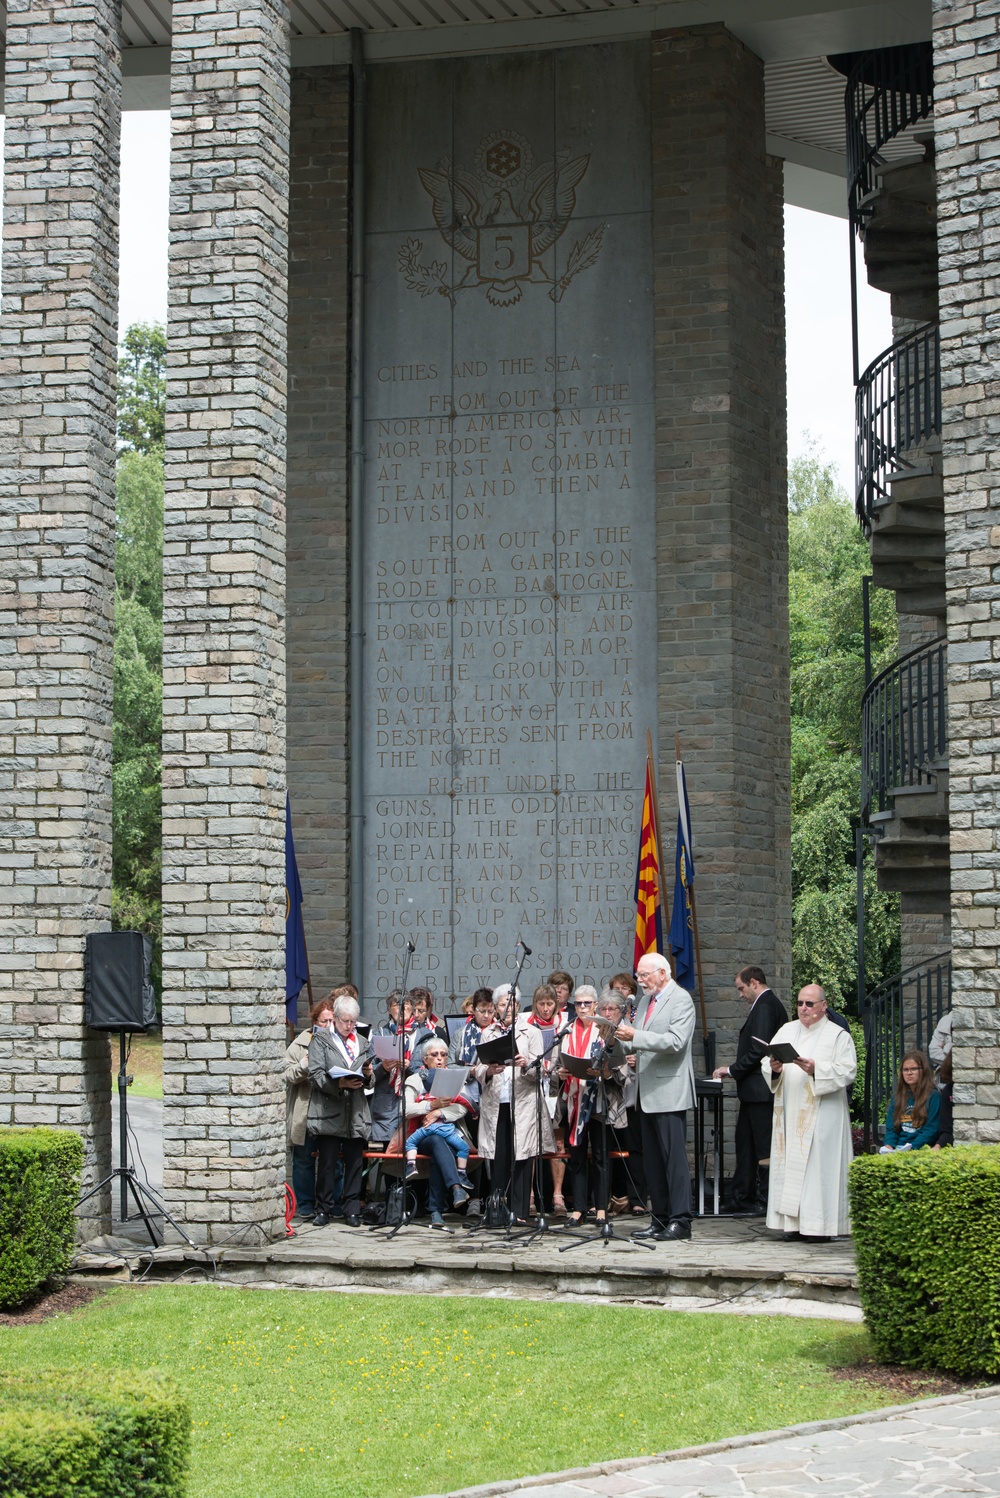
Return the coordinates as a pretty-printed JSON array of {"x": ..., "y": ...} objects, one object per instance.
[{"x": 811, "y": 1135}]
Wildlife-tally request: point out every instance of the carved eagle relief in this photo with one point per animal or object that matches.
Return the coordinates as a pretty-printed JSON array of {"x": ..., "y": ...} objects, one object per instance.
[{"x": 502, "y": 222}]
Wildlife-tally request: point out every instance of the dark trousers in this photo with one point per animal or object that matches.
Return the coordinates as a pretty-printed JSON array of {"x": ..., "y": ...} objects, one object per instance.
[
  {"x": 444, "y": 1173},
  {"x": 304, "y": 1176},
  {"x": 514, "y": 1184},
  {"x": 628, "y": 1176},
  {"x": 664, "y": 1154},
  {"x": 753, "y": 1144},
  {"x": 594, "y": 1133},
  {"x": 331, "y": 1149}
]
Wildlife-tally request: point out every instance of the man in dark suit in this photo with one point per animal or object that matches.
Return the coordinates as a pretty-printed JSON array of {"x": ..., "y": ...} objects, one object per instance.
[{"x": 753, "y": 1126}]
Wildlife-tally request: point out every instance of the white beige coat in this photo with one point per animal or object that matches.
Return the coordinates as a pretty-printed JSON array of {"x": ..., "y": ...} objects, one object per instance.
[
  {"x": 524, "y": 1096},
  {"x": 297, "y": 1087}
]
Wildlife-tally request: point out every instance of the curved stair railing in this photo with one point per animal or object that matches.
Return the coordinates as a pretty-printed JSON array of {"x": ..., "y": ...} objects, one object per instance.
[
  {"x": 897, "y": 407},
  {"x": 887, "y": 92},
  {"x": 899, "y": 1016},
  {"x": 904, "y": 726}
]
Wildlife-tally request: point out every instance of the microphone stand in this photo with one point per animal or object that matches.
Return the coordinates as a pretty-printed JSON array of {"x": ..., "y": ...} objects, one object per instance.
[{"x": 401, "y": 1038}]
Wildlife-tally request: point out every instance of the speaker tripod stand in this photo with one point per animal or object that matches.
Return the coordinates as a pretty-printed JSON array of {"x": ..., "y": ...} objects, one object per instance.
[{"x": 123, "y": 1173}]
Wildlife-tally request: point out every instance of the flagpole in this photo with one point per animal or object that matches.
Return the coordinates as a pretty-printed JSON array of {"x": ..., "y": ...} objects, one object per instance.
[
  {"x": 656, "y": 828},
  {"x": 697, "y": 941}
]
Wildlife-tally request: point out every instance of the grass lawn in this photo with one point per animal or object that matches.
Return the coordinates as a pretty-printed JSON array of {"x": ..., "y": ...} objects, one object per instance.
[{"x": 307, "y": 1395}]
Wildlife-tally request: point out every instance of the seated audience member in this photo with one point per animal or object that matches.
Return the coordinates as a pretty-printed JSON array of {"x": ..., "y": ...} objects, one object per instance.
[
  {"x": 941, "y": 1040},
  {"x": 912, "y": 1122},
  {"x": 298, "y": 1088},
  {"x": 443, "y": 1133},
  {"x": 946, "y": 1137},
  {"x": 339, "y": 1115}
]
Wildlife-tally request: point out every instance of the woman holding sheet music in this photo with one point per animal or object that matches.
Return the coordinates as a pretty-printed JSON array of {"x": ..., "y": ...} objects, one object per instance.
[
  {"x": 339, "y": 1117},
  {"x": 442, "y": 1130},
  {"x": 590, "y": 1107},
  {"x": 509, "y": 1108}
]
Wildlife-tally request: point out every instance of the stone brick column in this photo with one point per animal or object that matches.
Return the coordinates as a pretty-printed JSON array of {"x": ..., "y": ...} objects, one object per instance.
[
  {"x": 722, "y": 575},
  {"x": 57, "y": 437},
  {"x": 317, "y": 558},
  {"x": 967, "y": 145},
  {"x": 223, "y": 648}
]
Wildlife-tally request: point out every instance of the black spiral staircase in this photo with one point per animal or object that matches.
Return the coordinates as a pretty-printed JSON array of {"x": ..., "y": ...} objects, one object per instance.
[{"x": 899, "y": 498}]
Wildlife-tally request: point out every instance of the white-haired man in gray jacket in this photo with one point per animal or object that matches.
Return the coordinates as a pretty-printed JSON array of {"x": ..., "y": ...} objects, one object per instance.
[{"x": 661, "y": 1039}]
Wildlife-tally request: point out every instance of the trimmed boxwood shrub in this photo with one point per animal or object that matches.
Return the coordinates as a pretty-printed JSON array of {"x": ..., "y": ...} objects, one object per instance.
[
  {"x": 117, "y": 1434},
  {"x": 926, "y": 1231},
  {"x": 39, "y": 1187}
]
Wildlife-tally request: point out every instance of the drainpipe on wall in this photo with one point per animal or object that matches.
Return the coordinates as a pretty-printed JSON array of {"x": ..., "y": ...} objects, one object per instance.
[{"x": 356, "y": 659}]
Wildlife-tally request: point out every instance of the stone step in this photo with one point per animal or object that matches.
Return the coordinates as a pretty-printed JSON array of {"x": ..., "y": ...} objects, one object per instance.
[
  {"x": 933, "y": 884},
  {"x": 898, "y": 545},
  {"x": 933, "y": 902},
  {"x": 913, "y": 180},
  {"x": 897, "y": 515},
  {"x": 918, "y": 488}
]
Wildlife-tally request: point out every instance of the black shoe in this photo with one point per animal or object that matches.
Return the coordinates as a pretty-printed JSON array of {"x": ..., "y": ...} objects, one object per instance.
[
  {"x": 653, "y": 1231},
  {"x": 815, "y": 1238},
  {"x": 677, "y": 1229},
  {"x": 353, "y": 1220},
  {"x": 791, "y": 1237},
  {"x": 320, "y": 1220}
]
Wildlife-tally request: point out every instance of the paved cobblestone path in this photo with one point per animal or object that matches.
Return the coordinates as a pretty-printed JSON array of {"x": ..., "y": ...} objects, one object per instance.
[{"x": 942, "y": 1447}]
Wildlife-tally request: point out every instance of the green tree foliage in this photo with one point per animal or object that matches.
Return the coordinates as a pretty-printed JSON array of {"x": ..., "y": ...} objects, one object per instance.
[
  {"x": 136, "y": 862},
  {"x": 142, "y": 384},
  {"x": 828, "y": 557}
]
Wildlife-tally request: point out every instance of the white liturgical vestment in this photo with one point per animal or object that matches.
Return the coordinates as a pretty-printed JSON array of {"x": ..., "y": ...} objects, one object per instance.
[{"x": 811, "y": 1134}]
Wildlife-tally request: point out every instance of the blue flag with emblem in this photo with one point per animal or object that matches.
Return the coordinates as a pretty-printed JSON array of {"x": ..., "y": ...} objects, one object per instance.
[
  {"x": 296, "y": 962},
  {"x": 682, "y": 919}
]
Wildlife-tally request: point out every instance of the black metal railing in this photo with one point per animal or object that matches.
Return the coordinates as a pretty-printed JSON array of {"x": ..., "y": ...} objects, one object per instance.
[
  {"x": 887, "y": 92},
  {"x": 904, "y": 728},
  {"x": 897, "y": 407},
  {"x": 899, "y": 1016}
]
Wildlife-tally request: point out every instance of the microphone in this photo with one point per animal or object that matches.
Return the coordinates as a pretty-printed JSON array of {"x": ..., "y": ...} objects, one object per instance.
[
  {"x": 410, "y": 947},
  {"x": 524, "y": 949}
]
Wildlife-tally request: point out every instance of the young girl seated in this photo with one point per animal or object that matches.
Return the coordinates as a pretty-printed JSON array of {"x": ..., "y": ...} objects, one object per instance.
[{"x": 912, "y": 1121}]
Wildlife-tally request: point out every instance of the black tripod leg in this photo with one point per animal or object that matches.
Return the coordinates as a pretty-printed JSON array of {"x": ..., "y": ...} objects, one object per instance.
[
  {"x": 132, "y": 1184},
  {"x": 161, "y": 1211}
]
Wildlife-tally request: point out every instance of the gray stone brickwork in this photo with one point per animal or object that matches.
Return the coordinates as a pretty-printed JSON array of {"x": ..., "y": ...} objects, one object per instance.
[
  {"x": 721, "y": 502},
  {"x": 317, "y": 556},
  {"x": 223, "y": 650},
  {"x": 57, "y": 430},
  {"x": 967, "y": 144}
]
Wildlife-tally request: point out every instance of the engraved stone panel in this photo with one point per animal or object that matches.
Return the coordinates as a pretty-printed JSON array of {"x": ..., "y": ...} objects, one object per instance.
[{"x": 510, "y": 645}]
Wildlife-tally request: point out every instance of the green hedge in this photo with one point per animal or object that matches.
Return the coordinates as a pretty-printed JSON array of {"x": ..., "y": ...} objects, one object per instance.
[
  {"x": 118, "y": 1434},
  {"x": 39, "y": 1188},
  {"x": 926, "y": 1231}
]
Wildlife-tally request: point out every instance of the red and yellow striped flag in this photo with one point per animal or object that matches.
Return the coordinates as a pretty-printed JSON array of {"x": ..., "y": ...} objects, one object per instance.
[{"x": 648, "y": 905}]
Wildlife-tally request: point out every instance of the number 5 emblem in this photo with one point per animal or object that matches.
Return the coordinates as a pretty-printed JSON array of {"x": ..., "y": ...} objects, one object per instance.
[{"x": 504, "y": 252}]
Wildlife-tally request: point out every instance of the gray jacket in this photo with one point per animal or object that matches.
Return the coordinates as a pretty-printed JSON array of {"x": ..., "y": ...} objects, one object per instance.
[
  {"x": 334, "y": 1110},
  {"x": 664, "y": 1068}
]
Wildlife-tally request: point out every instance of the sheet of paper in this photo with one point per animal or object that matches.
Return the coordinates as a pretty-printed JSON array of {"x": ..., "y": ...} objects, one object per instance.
[
  {"x": 448, "y": 1081},
  {"x": 386, "y": 1047}
]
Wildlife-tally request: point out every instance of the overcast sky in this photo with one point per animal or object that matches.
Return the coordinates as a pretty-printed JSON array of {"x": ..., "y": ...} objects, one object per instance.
[{"x": 817, "y": 292}]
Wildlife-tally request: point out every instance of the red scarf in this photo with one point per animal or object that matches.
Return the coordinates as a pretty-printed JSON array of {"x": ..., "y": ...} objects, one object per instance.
[{"x": 578, "y": 1042}]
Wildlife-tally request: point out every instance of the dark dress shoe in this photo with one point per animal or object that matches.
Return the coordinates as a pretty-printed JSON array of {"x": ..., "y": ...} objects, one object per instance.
[
  {"x": 353, "y": 1220},
  {"x": 791, "y": 1237},
  {"x": 677, "y": 1229},
  {"x": 320, "y": 1220},
  {"x": 653, "y": 1231}
]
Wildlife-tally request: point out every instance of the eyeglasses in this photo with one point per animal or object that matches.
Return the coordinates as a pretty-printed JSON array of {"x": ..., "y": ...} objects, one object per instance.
[{"x": 808, "y": 1003}]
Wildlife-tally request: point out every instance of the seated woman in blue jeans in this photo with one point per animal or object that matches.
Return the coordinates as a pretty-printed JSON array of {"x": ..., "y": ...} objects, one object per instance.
[
  {"x": 443, "y": 1133},
  {"x": 913, "y": 1119}
]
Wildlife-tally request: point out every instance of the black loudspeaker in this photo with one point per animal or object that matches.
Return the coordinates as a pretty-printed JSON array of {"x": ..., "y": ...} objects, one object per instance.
[{"x": 118, "y": 994}]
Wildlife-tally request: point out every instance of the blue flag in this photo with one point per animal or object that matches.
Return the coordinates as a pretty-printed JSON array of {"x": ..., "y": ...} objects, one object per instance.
[
  {"x": 296, "y": 964},
  {"x": 682, "y": 921}
]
